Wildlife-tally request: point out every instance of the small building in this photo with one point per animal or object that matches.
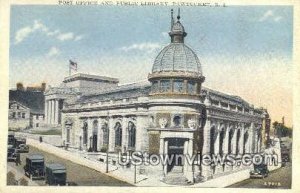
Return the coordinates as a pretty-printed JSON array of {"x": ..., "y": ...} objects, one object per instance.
[{"x": 26, "y": 109}]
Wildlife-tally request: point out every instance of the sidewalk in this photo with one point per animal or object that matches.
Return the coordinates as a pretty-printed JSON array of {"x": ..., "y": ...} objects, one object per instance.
[
  {"x": 127, "y": 175},
  {"x": 19, "y": 176}
]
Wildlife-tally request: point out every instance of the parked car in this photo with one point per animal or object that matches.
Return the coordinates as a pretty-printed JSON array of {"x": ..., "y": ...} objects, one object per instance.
[
  {"x": 23, "y": 148},
  {"x": 260, "y": 171},
  {"x": 35, "y": 166},
  {"x": 11, "y": 139},
  {"x": 11, "y": 154},
  {"x": 56, "y": 174}
]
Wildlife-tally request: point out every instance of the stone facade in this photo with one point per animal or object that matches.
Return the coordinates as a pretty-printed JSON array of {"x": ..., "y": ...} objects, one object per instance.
[{"x": 171, "y": 114}]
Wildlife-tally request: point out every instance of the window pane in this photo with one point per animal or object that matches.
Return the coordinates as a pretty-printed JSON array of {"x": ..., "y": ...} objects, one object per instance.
[
  {"x": 165, "y": 86},
  {"x": 178, "y": 86},
  {"x": 191, "y": 87},
  {"x": 155, "y": 86}
]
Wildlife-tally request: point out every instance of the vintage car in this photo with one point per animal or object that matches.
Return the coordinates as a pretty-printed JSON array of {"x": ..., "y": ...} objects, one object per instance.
[
  {"x": 56, "y": 174},
  {"x": 259, "y": 171},
  {"x": 22, "y": 148},
  {"x": 35, "y": 166},
  {"x": 11, "y": 154},
  {"x": 11, "y": 139}
]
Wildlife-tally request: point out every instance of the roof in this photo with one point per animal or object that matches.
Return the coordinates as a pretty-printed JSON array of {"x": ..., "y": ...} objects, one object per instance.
[
  {"x": 177, "y": 57},
  {"x": 89, "y": 77},
  {"x": 35, "y": 157},
  {"x": 56, "y": 166},
  {"x": 34, "y": 100},
  {"x": 120, "y": 92}
]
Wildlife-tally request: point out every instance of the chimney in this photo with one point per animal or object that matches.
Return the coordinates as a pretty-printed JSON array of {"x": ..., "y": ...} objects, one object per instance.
[
  {"x": 43, "y": 87},
  {"x": 20, "y": 86}
]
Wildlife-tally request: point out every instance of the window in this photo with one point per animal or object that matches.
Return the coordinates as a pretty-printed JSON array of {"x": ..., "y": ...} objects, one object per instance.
[
  {"x": 118, "y": 134},
  {"x": 131, "y": 134},
  {"x": 177, "y": 120},
  {"x": 36, "y": 125},
  {"x": 14, "y": 115},
  {"x": 19, "y": 114},
  {"x": 155, "y": 86},
  {"x": 18, "y": 107},
  {"x": 105, "y": 134},
  {"x": 191, "y": 87},
  {"x": 37, "y": 117},
  {"x": 165, "y": 86},
  {"x": 23, "y": 115},
  {"x": 178, "y": 86},
  {"x": 85, "y": 133}
]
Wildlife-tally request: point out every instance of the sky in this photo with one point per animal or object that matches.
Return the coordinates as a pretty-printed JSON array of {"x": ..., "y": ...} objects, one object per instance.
[{"x": 244, "y": 50}]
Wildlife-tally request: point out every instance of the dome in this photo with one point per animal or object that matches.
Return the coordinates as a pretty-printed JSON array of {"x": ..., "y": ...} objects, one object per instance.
[{"x": 177, "y": 57}]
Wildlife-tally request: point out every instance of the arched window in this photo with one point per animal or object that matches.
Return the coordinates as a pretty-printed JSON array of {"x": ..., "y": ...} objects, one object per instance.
[
  {"x": 85, "y": 133},
  {"x": 105, "y": 134},
  {"x": 221, "y": 140},
  {"x": 246, "y": 136},
  {"x": 131, "y": 134},
  {"x": 238, "y": 136},
  {"x": 95, "y": 127},
  {"x": 118, "y": 134},
  {"x": 230, "y": 141},
  {"x": 212, "y": 140}
]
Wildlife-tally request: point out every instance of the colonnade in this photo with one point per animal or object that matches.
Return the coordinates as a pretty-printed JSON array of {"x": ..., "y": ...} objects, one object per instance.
[{"x": 52, "y": 112}]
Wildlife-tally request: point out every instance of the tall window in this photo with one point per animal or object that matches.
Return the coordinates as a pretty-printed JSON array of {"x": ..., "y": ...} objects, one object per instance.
[
  {"x": 238, "y": 136},
  {"x": 23, "y": 115},
  {"x": 212, "y": 140},
  {"x": 165, "y": 86},
  {"x": 191, "y": 87},
  {"x": 85, "y": 133},
  {"x": 221, "y": 140},
  {"x": 178, "y": 86},
  {"x": 131, "y": 135},
  {"x": 155, "y": 87},
  {"x": 229, "y": 141},
  {"x": 19, "y": 114},
  {"x": 118, "y": 134},
  {"x": 105, "y": 134},
  {"x": 95, "y": 127},
  {"x": 14, "y": 115}
]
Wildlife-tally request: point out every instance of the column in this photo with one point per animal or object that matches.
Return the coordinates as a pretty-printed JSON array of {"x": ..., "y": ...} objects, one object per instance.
[
  {"x": 56, "y": 112},
  {"x": 189, "y": 166},
  {"x": 166, "y": 146},
  {"x": 161, "y": 153},
  {"x": 124, "y": 145},
  {"x": 52, "y": 111},
  {"x": 242, "y": 139},
  {"x": 49, "y": 111},
  {"x": 45, "y": 112},
  {"x": 205, "y": 170},
  {"x": 226, "y": 140},
  {"x": 233, "y": 142},
  {"x": 111, "y": 145}
]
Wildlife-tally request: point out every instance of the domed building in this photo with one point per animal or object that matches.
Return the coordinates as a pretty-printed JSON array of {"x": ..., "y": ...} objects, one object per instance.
[{"x": 171, "y": 115}]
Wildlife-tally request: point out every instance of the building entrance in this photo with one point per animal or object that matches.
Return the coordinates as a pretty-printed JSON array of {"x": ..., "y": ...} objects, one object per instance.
[{"x": 175, "y": 152}]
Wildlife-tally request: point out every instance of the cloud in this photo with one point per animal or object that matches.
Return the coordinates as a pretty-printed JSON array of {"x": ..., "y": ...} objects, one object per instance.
[
  {"x": 269, "y": 15},
  {"x": 65, "y": 36},
  {"x": 38, "y": 26},
  {"x": 266, "y": 15},
  {"x": 53, "y": 51},
  {"x": 77, "y": 38},
  {"x": 146, "y": 47},
  {"x": 277, "y": 19}
]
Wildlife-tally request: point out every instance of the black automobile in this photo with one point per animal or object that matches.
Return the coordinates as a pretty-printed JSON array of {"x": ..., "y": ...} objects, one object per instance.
[
  {"x": 56, "y": 174},
  {"x": 259, "y": 171},
  {"x": 11, "y": 154},
  {"x": 35, "y": 166},
  {"x": 22, "y": 148}
]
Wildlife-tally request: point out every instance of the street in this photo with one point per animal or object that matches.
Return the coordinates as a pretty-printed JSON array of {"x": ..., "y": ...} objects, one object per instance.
[
  {"x": 278, "y": 179},
  {"x": 76, "y": 174}
]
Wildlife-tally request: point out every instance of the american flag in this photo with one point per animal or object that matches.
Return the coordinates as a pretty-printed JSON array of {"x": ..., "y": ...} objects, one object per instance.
[{"x": 73, "y": 65}]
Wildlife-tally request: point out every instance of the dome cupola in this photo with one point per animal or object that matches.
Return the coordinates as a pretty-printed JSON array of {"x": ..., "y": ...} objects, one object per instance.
[{"x": 176, "y": 69}]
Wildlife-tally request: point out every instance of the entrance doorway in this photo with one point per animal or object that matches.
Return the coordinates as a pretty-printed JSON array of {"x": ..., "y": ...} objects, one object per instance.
[{"x": 175, "y": 152}]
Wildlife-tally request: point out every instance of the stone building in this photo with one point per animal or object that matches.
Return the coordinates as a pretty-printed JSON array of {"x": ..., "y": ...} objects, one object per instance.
[
  {"x": 26, "y": 109},
  {"x": 171, "y": 114}
]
